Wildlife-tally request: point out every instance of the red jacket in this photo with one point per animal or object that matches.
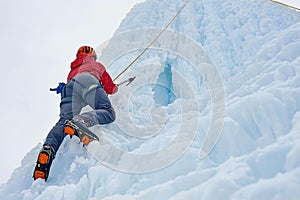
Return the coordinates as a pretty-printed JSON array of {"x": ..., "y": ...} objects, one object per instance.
[{"x": 89, "y": 65}]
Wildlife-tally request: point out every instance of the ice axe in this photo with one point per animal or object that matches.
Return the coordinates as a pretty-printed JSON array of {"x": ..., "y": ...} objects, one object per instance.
[{"x": 128, "y": 81}]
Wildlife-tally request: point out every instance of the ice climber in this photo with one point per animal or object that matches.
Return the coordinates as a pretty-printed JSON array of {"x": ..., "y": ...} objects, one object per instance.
[{"x": 88, "y": 83}]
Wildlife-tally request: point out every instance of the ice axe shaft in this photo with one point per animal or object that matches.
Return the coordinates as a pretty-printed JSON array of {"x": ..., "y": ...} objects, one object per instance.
[{"x": 128, "y": 81}]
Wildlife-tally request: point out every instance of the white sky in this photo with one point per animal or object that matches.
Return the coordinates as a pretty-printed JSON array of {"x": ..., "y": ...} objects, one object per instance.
[
  {"x": 39, "y": 39},
  {"x": 295, "y": 3}
]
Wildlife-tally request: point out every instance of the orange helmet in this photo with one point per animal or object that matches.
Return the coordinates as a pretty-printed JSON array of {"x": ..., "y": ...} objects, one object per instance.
[{"x": 86, "y": 51}]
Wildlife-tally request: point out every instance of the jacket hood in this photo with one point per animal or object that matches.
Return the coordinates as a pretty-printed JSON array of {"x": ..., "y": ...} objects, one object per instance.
[{"x": 81, "y": 60}]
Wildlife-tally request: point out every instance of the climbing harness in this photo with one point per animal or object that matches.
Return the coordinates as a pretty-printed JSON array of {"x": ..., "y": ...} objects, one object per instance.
[
  {"x": 154, "y": 40},
  {"x": 85, "y": 91}
]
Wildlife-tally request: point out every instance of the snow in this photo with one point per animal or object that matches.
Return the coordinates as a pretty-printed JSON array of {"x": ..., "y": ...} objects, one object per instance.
[{"x": 214, "y": 112}]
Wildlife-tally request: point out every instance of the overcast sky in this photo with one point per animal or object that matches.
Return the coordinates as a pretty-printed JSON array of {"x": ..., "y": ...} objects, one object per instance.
[
  {"x": 39, "y": 39},
  {"x": 295, "y": 3}
]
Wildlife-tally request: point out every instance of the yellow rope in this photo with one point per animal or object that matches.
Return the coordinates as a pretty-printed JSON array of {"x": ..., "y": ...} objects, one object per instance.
[
  {"x": 154, "y": 40},
  {"x": 171, "y": 21},
  {"x": 293, "y": 7}
]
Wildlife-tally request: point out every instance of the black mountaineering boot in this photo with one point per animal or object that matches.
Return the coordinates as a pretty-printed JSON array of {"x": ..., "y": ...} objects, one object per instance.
[
  {"x": 79, "y": 128},
  {"x": 43, "y": 163}
]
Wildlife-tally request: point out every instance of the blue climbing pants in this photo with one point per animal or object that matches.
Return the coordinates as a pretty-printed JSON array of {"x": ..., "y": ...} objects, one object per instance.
[{"x": 84, "y": 89}]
